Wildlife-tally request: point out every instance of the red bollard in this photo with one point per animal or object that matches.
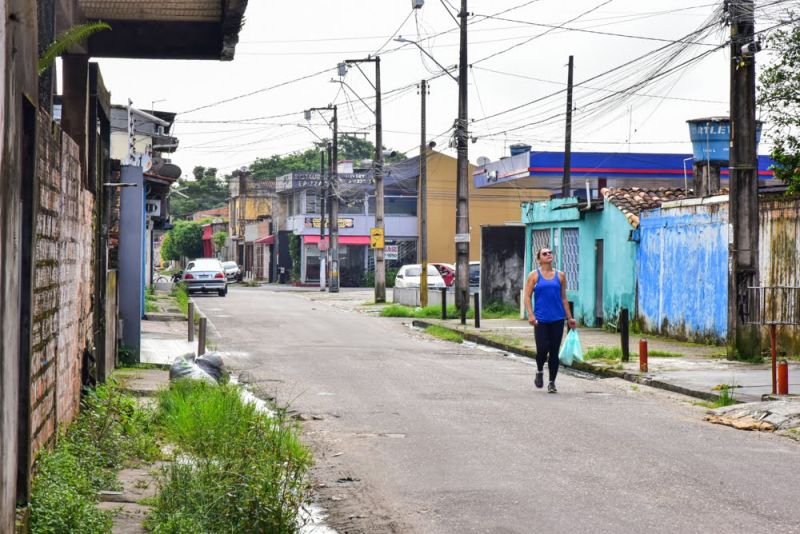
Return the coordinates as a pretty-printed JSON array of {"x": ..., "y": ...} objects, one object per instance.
[
  {"x": 643, "y": 355},
  {"x": 783, "y": 378}
]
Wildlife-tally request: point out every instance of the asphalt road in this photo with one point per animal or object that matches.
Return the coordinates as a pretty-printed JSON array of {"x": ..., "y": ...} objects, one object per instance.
[{"x": 413, "y": 434}]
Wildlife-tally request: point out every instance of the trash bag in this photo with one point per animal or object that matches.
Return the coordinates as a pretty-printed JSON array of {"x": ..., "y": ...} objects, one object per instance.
[
  {"x": 571, "y": 349},
  {"x": 185, "y": 367},
  {"x": 212, "y": 364}
]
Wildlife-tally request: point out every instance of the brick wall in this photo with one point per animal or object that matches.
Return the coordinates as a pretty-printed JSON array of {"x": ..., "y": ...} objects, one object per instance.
[{"x": 62, "y": 289}]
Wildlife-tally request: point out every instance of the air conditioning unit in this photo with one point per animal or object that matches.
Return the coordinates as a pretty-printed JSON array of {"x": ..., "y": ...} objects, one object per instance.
[{"x": 153, "y": 208}]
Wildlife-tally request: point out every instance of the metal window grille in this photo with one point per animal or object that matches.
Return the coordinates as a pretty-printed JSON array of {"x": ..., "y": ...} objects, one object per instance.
[
  {"x": 540, "y": 239},
  {"x": 569, "y": 256},
  {"x": 773, "y": 305}
]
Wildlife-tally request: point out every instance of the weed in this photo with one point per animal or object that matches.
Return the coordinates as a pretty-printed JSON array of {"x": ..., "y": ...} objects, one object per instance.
[
  {"x": 445, "y": 334},
  {"x": 615, "y": 353},
  {"x": 725, "y": 397},
  {"x": 110, "y": 431},
  {"x": 634, "y": 387},
  {"x": 150, "y": 307},
  {"x": 126, "y": 356},
  {"x": 247, "y": 470},
  {"x": 181, "y": 297},
  {"x": 395, "y": 310},
  {"x": 505, "y": 339}
]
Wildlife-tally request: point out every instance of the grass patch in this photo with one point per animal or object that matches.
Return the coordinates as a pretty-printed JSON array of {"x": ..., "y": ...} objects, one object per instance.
[
  {"x": 246, "y": 472},
  {"x": 181, "y": 297},
  {"x": 110, "y": 432},
  {"x": 428, "y": 312},
  {"x": 499, "y": 310},
  {"x": 445, "y": 334},
  {"x": 150, "y": 307},
  {"x": 615, "y": 353}
]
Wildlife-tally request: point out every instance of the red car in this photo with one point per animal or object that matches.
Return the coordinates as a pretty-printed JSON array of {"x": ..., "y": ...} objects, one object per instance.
[{"x": 448, "y": 272}]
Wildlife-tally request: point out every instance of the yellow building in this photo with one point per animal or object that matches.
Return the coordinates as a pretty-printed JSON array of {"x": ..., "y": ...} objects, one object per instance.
[
  {"x": 250, "y": 201},
  {"x": 486, "y": 207}
]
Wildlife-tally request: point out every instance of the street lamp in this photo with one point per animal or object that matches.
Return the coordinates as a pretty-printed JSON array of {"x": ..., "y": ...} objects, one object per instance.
[
  {"x": 380, "y": 264},
  {"x": 401, "y": 39}
]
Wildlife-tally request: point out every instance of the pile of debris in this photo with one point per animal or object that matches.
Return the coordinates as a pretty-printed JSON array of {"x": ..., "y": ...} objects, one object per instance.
[{"x": 765, "y": 416}]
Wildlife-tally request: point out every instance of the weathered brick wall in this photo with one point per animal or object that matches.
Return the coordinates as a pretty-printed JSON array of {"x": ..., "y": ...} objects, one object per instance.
[{"x": 62, "y": 305}]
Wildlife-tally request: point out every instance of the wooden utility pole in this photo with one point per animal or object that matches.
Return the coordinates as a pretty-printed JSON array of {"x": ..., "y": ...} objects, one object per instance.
[
  {"x": 565, "y": 184},
  {"x": 462, "y": 178},
  {"x": 743, "y": 338},
  {"x": 422, "y": 191}
]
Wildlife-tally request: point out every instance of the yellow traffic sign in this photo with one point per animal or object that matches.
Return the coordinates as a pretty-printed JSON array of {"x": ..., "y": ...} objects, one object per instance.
[{"x": 376, "y": 237}]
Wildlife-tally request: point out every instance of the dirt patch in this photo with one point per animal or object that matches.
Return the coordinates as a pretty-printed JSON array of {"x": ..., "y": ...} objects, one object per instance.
[{"x": 353, "y": 505}]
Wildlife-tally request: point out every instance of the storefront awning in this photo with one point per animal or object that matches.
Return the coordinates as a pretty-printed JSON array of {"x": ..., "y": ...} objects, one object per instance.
[
  {"x": 269, "y": 240},
  {"x": 343, "y": 239}
]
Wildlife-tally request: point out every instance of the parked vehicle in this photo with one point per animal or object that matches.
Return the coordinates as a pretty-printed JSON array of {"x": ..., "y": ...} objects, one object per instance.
[
  {"x": 474, "y": 274},
  {"x": 409, "y": 276},
  {"x": 232, "y": 271},
  {"x": 206, "y": 275},
  {"x": 448, "y": 272}
]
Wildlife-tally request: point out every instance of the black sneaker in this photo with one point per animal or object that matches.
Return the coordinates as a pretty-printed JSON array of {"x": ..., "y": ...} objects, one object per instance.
[
  {"x": 551, "y": 387},
  {"x": 539, "y": 381}
]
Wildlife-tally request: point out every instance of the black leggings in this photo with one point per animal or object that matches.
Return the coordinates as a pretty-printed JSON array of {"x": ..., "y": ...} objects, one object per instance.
[{"x": 548, "y": 340}]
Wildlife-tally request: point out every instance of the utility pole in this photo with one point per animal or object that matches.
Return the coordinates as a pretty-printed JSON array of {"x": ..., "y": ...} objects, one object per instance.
[
  {"x": 329, "y": 198},
  {"x": 333, "y": 287},
  {"x": 462, "y": 178},
  {"x": 565, "y": 185},
  {"x": 380, "y": 262},
  {"x": 322, "y": 192},
  {"x": 743, "y": 338},
  {"x": 422, "y": 191}
]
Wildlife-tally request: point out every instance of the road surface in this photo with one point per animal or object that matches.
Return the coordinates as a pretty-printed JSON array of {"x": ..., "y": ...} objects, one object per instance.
[{"x": 413, "y": 434}]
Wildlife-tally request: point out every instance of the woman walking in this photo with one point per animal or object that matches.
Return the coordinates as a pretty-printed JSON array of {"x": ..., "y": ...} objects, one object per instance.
[{"x": 547, "y": 306}]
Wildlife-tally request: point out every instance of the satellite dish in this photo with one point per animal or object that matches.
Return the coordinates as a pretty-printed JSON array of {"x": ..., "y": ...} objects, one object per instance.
[{"x": 483, "y": 161}]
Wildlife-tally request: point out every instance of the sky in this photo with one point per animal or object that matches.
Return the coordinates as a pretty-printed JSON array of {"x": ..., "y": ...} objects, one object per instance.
[{"x": 230, "y": 113}]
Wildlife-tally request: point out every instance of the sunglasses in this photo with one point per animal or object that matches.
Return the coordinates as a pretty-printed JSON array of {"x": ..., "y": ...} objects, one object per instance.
[{"x": 546, "y": 253}]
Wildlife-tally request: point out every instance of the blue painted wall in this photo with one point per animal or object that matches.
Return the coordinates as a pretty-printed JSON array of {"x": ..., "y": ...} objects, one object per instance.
[
  {"x": 682, "y": 271},
  {"x": 619, "y": 269}
]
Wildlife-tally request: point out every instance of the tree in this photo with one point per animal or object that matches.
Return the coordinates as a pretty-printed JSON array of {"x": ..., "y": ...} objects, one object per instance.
[
  {"x": 187, "y": 238},
  {"x": 780, "y": 101},
  {"x": 204, "y": 192},
  {"x": 168, "y": 251},
  {"x": 219, "y": 239},
  {"x": 350, "y": 147}
]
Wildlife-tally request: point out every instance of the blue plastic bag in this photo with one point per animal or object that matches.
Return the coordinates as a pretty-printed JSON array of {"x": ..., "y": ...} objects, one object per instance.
[{"x": 571, "y": 350}]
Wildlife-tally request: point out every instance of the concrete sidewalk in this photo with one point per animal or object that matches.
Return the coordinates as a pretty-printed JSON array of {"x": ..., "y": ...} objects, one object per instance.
[
  {"x": 163, "y": 341},
  {"x": 697, "y": 370}
]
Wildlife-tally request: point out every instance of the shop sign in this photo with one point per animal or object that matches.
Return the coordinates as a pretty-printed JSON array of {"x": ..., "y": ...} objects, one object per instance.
[
  {"x": 391, "y": 252},
  {"x": 315, "y": 222}
]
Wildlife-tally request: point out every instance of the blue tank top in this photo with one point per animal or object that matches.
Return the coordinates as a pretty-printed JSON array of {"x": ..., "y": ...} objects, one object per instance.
[{"x": 547, "y": 304}]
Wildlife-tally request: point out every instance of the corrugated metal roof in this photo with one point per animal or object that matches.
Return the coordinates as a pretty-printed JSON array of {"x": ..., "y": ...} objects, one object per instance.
[{"x": 153, "y": 10}]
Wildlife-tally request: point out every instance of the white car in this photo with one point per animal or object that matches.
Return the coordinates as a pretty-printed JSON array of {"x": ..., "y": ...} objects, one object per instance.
[
  {"x": 232, "y": 270},
  {"x": 409, "y": 276},
  {"x": 205, "y": 275}
]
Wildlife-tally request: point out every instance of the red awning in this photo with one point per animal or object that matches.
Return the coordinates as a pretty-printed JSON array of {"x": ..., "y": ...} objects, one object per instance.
[
  {"x": 343, "y": 239},
  {"x": 269, "y": 240}
]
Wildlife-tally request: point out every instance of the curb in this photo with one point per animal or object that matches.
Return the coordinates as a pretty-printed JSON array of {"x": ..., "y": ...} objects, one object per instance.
[{"x": 585, "y": 367}]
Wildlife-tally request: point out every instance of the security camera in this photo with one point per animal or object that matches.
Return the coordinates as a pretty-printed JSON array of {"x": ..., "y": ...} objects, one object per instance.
[
  {"x": 389, "y": 153},
  {"x": 751, "y": 48}
]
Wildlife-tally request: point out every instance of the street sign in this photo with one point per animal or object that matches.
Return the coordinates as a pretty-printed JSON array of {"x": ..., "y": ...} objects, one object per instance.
[
  {"x": 376, "y": 237},
  {"x": 322, "y": 245},
  {"x": 462, "y": 238},
  {"x": 391, "y": 252}
]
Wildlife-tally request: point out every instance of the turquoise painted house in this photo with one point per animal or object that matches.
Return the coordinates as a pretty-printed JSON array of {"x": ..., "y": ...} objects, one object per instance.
[{"x": 595, "y": 244}]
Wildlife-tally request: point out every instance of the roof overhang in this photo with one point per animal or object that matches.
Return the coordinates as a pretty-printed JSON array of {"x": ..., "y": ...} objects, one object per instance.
[{"x": 165, "y": 29}]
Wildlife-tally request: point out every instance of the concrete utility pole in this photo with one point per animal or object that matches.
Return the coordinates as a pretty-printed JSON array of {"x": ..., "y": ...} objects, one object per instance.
[
  {"x": 333, "y": 287},
  {"x": 565, "y": 185},
  {"x": 743, "y": 338},
  {"x": 329, "y": 197},
  {"x": 422, "y": 191},
  {"x": 462, "y": 179},
  {"x": 380, "y": 263},
  {"x": 322, "y": 192}
]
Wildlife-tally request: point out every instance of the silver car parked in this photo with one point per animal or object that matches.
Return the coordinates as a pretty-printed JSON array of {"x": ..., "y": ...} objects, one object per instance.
[{"x": 205, "y": 275}]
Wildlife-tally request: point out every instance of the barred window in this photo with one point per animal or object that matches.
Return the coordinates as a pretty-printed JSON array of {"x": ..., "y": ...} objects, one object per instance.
[
  {"x": 540, "y": 240},
  {"x": 569, "y": 256}
]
